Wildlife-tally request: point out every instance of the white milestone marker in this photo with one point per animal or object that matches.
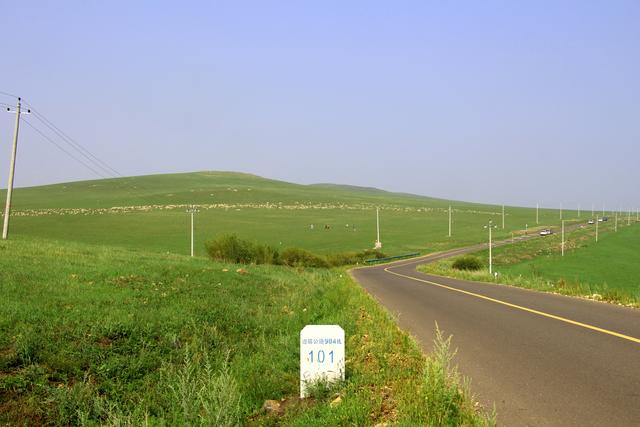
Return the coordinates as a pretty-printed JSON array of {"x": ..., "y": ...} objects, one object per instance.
[{"x": 321, "y": 355}]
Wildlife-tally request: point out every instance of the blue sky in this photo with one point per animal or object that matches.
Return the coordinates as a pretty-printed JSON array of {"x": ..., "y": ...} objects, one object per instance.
[{"x": 480, "y": 101}]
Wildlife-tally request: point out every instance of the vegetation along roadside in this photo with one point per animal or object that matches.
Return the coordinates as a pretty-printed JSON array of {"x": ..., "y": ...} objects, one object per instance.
[
  {"x": 606, "y": 270},
  {"x": 118, "y": 336}
]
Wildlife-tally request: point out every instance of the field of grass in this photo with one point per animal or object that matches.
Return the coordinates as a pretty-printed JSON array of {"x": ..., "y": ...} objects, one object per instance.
[
  {"x": 606, "y": 270},
  {"x": 95, "y": 335},
  {"x": 152, "y": 214}
]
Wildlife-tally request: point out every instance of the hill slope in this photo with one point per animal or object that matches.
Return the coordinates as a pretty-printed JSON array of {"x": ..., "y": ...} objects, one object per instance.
[
  {"x": 324, "y": 218},
  {"x": 200, "y": 188}
]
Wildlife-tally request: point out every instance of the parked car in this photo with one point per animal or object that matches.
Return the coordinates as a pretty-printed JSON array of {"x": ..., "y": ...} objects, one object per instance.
[
  {"x": 600, "y": 219},
  {"x": 604, "y": 218},
  {"x": 545, "y": 232},
  {"x": 591, "y": 221}
]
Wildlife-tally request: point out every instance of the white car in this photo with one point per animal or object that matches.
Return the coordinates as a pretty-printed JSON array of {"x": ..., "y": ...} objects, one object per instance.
[
  {"x": 591, "y": 221},
  {"x": 545, "y": 232}
]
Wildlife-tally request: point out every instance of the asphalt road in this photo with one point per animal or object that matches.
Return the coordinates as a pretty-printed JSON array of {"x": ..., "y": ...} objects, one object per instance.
[{"x": 541, "y": 359}]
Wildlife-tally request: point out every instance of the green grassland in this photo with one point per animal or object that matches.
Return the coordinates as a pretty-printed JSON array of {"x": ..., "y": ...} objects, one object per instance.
[
  {"x": 153, "y": 217},
  {"x": 106, "y": 321},
  {"x": 606, "y": 270},
  {"x": 97, "y": 335}
]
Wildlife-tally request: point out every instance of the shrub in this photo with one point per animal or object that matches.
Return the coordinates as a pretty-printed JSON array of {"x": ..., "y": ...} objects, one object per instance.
[
  {"x": 346, "y": 258},
  {"x": 231, "y": 248},
  {"x": 467, "y": 262},
  {"x": 296, "y": 257}
]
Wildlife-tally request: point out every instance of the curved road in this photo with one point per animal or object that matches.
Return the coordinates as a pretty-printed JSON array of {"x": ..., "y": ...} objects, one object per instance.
[{"x": 540, "y": 358}]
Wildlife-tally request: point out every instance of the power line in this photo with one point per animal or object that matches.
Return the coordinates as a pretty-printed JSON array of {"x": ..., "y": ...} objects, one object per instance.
[
  {"x": 48, "y": 139},
  {"x": 9, "y": 94},
  {"x": 97, "y": 162}
]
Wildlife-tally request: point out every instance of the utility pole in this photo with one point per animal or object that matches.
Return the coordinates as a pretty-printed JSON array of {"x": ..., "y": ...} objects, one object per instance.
[
  {"x": 12, "y": 170},
  {"x": 563, "y": 237},
  {"x": 561, "y": 211},
  {"x": 378, "y": 244},
  {"x": 490, "y": 226},
  {"x": 449, "y": 220},
  {"x": 192, "y": 210}
]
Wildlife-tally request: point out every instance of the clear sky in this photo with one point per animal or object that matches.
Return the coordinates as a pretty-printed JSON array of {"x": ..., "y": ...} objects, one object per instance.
[{"x": 480, "y": 100}]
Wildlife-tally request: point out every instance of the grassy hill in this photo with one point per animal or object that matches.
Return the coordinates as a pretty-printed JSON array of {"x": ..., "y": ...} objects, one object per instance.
[{"x": 151, "y": 214}]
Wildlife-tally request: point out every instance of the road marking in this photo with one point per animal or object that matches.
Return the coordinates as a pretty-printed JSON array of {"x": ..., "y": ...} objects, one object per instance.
[{"x": 519, "y": 307}]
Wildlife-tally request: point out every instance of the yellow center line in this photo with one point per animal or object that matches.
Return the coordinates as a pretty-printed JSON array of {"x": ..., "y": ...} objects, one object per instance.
[{"x": 519, "y": 307}]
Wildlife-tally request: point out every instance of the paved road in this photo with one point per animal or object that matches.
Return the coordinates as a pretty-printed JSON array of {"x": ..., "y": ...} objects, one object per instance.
[{"x": 541, "y": 359}]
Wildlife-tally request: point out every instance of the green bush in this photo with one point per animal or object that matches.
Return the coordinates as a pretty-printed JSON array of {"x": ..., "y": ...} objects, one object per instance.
[
  {"x": 347, "y": 258},
  {"x": 296, "y": 257},
  {"x": 467, "y": 262},
  {"x": 231, "y": 248}
]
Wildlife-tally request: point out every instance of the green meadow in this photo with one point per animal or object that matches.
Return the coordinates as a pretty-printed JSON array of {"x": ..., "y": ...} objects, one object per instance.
[
  {"x": 96, "y": 335},
  {"x": 106, "y": 321},
  {"x": 604, "y": 270},
  {"x": 149, "y": 213},
  {"x": 609, "y": 265}
]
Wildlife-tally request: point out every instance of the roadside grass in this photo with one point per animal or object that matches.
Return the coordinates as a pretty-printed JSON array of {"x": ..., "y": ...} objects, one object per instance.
[
  {"x": 96, "y": 335},
  {"x": 606, "y": 270}
]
